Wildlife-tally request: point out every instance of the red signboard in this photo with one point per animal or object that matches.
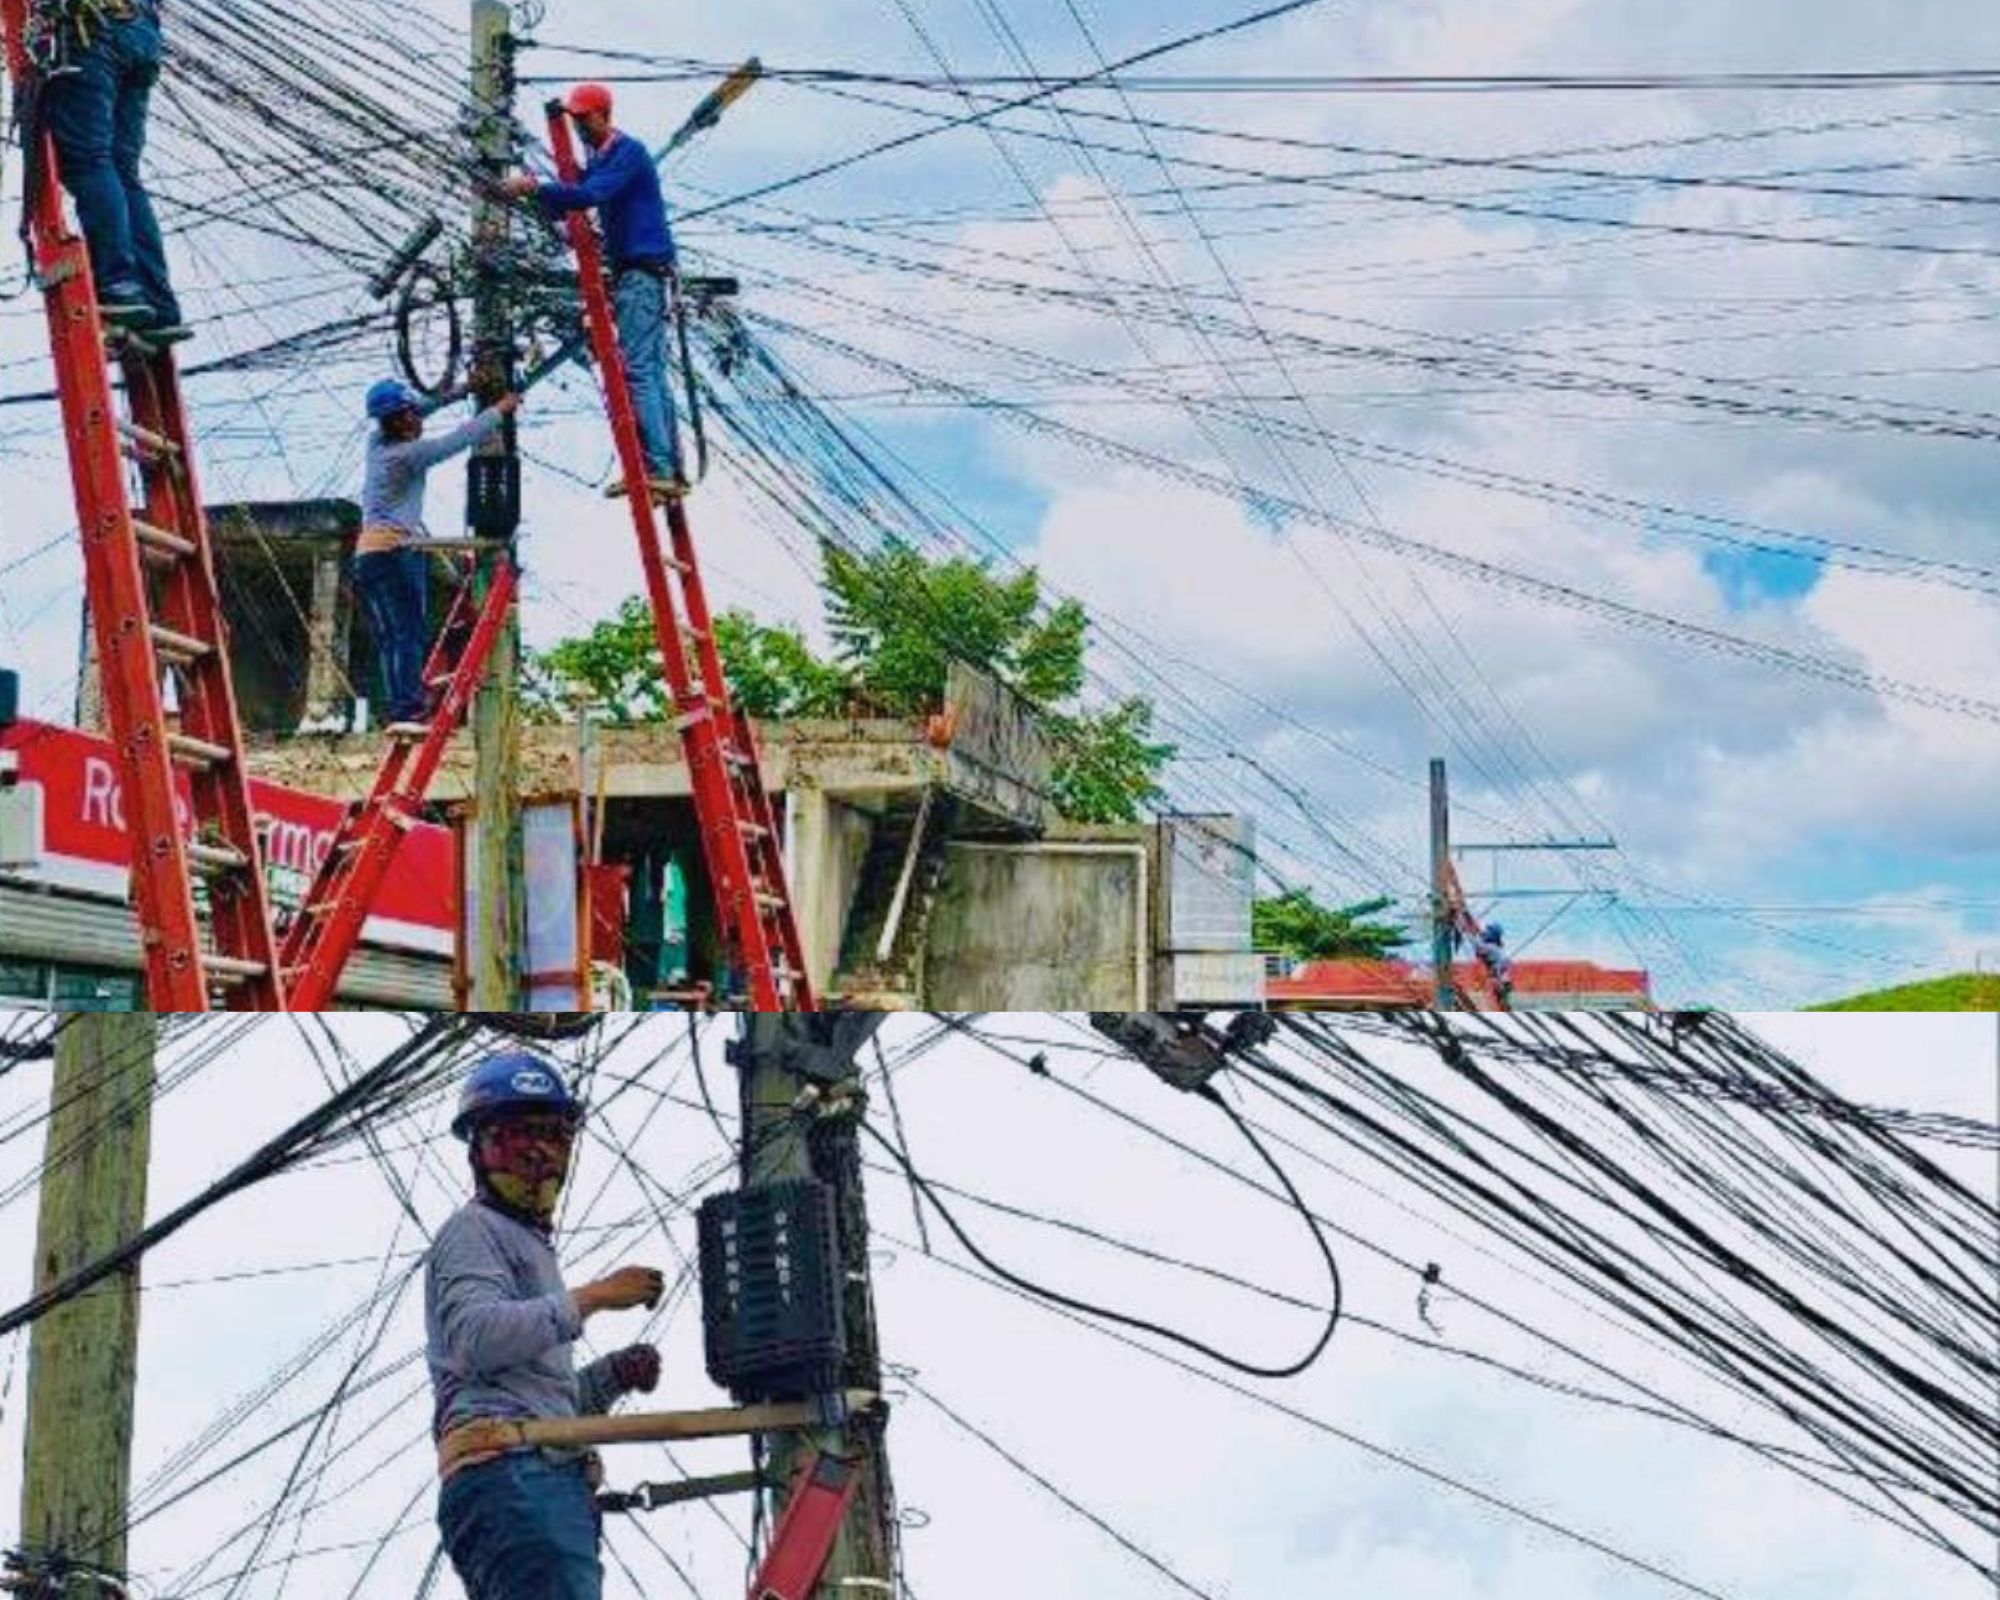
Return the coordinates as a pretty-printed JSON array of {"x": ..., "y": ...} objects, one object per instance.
[{"x": 85, "y": 844}]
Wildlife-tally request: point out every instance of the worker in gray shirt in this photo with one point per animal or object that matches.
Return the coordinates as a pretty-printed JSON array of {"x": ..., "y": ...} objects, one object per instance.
[
  {"x": 390, "y": 567},
  {"x": 521, "y": 1524}
]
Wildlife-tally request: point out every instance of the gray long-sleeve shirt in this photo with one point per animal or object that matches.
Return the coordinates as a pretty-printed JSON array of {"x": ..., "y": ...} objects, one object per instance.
[
  {"x": 500, "y": 1325},
  {"x": 392, "y": 493}
]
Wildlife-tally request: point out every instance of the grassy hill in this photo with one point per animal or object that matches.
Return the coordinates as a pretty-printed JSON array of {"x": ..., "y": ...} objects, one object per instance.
[{"x": 1966, "y": 992}]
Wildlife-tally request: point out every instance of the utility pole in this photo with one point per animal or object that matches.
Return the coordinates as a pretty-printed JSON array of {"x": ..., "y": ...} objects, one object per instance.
[
  {"x": 1441, "y": 897},
  {"x": 781, "y": 1057},
  {"x": 497, "y": 865},
  {"x": 83, "y": 1355}
]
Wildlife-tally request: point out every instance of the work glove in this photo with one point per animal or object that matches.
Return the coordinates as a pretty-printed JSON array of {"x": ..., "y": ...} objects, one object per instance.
[{"x": 637, "y": 1368}]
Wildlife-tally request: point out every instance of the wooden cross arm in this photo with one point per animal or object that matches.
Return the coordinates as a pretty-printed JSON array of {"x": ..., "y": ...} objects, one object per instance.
[{"x": 490, "y": 1436}]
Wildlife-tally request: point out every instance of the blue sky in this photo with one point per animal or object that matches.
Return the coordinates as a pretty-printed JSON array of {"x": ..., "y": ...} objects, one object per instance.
[{"x": 1729, "y": 782}]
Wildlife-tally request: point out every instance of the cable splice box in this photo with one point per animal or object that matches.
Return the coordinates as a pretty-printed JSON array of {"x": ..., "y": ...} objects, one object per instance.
[{"x": 772, "y": 1322}]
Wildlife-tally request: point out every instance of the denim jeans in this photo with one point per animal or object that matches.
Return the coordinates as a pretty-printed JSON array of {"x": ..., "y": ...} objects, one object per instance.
[
  {"x": 393, "y": 587},
  {"x": 97, "y": 115},
  {"x": 641, "y": 302},
  {"x": 523, "y": 1528}
]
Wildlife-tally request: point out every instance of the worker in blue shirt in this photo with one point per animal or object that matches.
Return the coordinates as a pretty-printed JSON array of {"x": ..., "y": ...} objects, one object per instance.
[
  {"x": 390, "y": 563},
  {"x": 620, "y": 182}
]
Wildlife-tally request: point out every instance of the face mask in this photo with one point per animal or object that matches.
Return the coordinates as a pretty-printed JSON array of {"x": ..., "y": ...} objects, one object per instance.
[{"x": 524, "y": 1163}]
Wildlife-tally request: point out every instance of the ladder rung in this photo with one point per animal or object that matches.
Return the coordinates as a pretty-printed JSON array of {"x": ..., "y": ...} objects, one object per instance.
[
  {"x": 161, "y": 540},
  {"x": 142, "y": 442},
  {"x": 179, "y": 646},
  {"x": 218, "y": 857},
  {"x": 407, "y": 730},
  {"x": 752, "y": 830},
  {"x": 233, "y": 969},
  {"x": 199, "y": 752}
]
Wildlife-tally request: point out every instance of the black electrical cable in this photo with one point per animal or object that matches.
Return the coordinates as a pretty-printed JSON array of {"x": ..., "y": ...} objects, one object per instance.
[
  {"x": 1250, "y": 1369},
  {"x": 269, "y": 1159}
]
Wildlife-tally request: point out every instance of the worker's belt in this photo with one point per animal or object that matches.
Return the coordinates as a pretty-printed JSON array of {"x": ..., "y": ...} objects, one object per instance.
[
  {"x": 488, "y": 1438},
  {"x": 379, "y": 538},
  {"x": 652, "y": 269}
]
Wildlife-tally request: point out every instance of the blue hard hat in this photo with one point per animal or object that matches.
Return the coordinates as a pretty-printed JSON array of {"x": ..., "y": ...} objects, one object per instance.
[
  {"x": 389, "y": 398},
  {"x": 513, "y": 1080},
  {"x": 1495, "y": 932}
]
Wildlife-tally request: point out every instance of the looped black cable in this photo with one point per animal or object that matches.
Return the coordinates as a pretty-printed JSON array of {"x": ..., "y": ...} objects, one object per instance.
[{"x": 1090, "y": 1308}]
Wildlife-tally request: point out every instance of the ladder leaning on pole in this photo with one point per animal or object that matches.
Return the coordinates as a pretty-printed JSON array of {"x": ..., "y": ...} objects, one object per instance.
[
  {"x": 738, "y": 829},
  {"x": 323, "y": 933},
  {"x": 149, "y": 577}
]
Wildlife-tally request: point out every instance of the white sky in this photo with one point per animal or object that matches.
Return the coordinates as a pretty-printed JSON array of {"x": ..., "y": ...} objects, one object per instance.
[{"x": 1239, "y": 1499}]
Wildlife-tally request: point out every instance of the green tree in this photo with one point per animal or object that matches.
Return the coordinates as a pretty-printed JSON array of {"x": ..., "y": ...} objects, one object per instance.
[
  {"x": 1295, "y": 924},
  {"x": 898, "y": 620},
  {"x": 1107, "y": 764},
  {"x": 616, "y": 668}
]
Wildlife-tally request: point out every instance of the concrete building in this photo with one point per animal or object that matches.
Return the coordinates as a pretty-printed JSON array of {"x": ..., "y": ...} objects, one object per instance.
[
  {"x": 922, "y": 869},
  {"x": 925, "y": 866}
]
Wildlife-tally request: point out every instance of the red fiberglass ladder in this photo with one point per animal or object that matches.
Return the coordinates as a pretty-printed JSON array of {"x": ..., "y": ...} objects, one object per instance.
[
  {"x": 149, "y": 575},
  {"x": 738, "y": 831},
  {"x": 326, "y": 928},
  {"x": 805, "y": 1533},
  {"x": 1492, "y": 997}
]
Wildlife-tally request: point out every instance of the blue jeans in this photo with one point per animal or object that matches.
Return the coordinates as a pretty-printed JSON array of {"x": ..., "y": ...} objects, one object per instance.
[
  {"x": 97, "y": 116},
  {"x": 640, "y": 299},
  {"x": 523, "y": 1528},
  {"x": 393, "y": 587}
]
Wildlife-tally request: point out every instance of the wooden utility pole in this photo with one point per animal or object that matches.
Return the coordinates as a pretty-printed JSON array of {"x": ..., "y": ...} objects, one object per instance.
[
  {"x": 779, "y": 1057},
  {"x": 83, "y": 1355},
  {"x": 497, "y": 865},
  {"x": 1441, "y": 898}
]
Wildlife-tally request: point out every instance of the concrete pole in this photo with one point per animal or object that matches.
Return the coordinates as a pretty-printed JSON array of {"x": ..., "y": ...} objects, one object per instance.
[
  {"x": 1441, "y": 913},
  {"x": 776, "y": 1150},
  {"x": 83, "y": 1354},
  {"x": 497, "y": 862}
]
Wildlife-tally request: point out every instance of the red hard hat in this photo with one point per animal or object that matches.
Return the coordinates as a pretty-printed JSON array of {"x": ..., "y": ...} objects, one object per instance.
[{"x": 587, "y": 99}]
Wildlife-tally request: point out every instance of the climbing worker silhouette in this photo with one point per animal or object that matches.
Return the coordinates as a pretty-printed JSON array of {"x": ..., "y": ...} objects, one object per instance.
[
  {"x": 391, "y": 565},
  {"x": 1491, "y": 949},
  {"x": 621, "y": 183},
  {"x": 521, "y": 1524},
  {"x": 96, "y": 62}
]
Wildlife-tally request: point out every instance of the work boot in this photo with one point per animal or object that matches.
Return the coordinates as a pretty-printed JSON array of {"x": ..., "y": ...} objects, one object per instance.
[
  {"x": 662, "y": 488},
  {"x": 125, "y": 306}
]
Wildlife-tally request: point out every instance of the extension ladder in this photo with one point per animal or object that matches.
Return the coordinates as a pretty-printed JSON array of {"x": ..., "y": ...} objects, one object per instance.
[
  {"x": 738, "y": 830},
  {"x": 149, "y": 577},
  {"x": 327, "y": 926},
  {"x": 1493, "y": 997}
]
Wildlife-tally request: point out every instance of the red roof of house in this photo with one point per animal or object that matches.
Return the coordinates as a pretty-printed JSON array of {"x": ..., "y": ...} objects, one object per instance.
[{"x": 1397, "y": 983}]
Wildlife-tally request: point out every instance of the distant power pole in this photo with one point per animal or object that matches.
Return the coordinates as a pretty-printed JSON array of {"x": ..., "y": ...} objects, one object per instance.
[
  {"x": 497, "y": 867},
  {"x": 83, "y": 1354},
  {"x": 1441, "y": 896},
  {"x": 780, "y": 1057}
]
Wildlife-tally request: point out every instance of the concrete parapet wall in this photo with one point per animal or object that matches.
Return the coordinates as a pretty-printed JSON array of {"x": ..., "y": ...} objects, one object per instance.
[{"x": 1047, "y": 926}]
